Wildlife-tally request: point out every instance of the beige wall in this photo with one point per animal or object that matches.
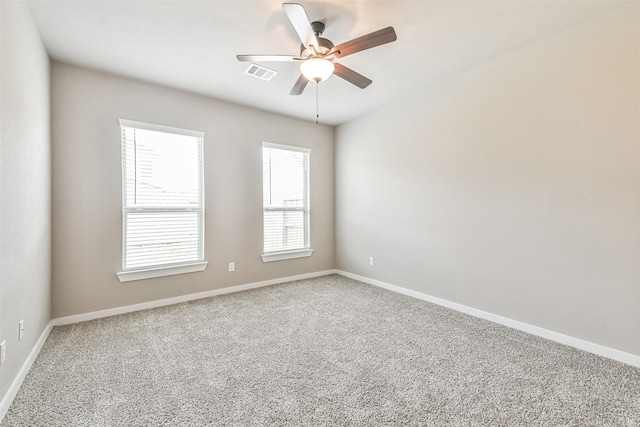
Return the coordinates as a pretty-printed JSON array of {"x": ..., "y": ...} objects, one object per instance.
[
  {"x": 87, "y": 236},
  {"x": 514, "y": 188},
  {"x": 25, "y": 189}
]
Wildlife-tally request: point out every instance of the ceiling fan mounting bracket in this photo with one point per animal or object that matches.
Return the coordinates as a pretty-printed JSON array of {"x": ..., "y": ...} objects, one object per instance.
[{"x": 318, "y": 27}]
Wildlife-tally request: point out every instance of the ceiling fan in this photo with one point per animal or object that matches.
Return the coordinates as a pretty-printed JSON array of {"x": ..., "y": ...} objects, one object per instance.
[{"x": 317, "y": 54}]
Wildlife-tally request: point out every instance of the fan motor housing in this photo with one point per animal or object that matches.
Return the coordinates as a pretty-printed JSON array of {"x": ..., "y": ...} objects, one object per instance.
[{"x": 324, "y": 47}]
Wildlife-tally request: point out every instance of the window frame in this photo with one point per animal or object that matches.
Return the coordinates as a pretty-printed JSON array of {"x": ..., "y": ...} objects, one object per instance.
[
  {"x": 306, "y": 251},
  {"x": 170, "y": 268}
]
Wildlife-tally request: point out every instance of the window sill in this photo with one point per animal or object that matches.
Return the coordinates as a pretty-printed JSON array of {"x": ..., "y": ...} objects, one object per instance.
[
  {"x": 280, "y": 256},
  {"x": 128, "y": 276}
]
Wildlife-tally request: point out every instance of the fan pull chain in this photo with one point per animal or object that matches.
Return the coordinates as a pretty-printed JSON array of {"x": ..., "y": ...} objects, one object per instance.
[{"x": 317, "y": 109}]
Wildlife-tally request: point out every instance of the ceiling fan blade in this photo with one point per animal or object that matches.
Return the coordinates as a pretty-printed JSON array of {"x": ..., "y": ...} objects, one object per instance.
[
  {"x": 267, "y": 58},
  {"x": 351, "y": 76},
  {"x": 298, "y": 17},
  {"x": 377, "y": 38},
  {"x": 299, "y": 86}
]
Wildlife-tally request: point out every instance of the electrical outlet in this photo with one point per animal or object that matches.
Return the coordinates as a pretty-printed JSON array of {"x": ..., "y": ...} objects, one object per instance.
[
  {"x": 20, "y": 330},
  {"x": 232, "y": 266},
  {"x": 3, "y": 352},
  {"x": 371, "y": 260}
]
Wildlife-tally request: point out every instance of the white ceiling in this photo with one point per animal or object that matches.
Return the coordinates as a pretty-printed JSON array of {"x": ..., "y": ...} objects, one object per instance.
[{"x": 191, "y": 45}]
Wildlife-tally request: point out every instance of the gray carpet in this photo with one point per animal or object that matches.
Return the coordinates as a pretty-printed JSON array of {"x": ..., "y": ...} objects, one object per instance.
[{"x": 326, "y": 351}]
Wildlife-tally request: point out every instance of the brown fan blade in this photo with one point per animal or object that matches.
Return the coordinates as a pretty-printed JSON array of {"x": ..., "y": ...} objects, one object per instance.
[
  {"x": 377, "y": 38},
  {"x": 298, "y": 17},
  {"x": 267, "y": 58},
  {"x": 299, "y": 86},
  {"x": 351, "y": 76}
]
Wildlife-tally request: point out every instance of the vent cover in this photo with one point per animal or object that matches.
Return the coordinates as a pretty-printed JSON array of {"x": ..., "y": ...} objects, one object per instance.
[{"x": 260, "y": 72}]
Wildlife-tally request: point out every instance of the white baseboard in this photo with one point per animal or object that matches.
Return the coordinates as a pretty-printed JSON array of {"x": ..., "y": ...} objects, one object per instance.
[
  {"x": 24, "y": 370},
  {"x": 600, "y": 350},
  {"x": 76, "y": 318}
]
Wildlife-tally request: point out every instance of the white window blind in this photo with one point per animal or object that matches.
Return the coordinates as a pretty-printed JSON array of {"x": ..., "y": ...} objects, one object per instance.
[
  {"x": 285, "y": 171},
  {"x": 163, "y": 197}
]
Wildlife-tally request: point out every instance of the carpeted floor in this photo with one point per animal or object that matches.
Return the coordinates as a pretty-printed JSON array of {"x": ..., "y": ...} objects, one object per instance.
[{"x": 326, "y": 351}]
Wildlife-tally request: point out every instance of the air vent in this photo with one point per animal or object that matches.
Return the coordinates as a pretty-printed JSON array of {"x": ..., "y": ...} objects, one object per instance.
[{"x": 260, "y": 72}]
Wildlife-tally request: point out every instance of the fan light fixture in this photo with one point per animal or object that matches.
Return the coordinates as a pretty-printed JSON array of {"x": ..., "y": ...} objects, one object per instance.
[{"x": 317, "y": 69}]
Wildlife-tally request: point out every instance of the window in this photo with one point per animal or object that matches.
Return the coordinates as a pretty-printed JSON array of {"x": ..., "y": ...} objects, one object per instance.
[
  {"x": 162, "y": 201},
  {"x": 285, "y": 180}
]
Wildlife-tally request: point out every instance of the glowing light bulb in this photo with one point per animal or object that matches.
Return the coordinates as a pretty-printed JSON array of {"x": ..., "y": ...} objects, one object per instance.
[{"x": 317, "y": 69}]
